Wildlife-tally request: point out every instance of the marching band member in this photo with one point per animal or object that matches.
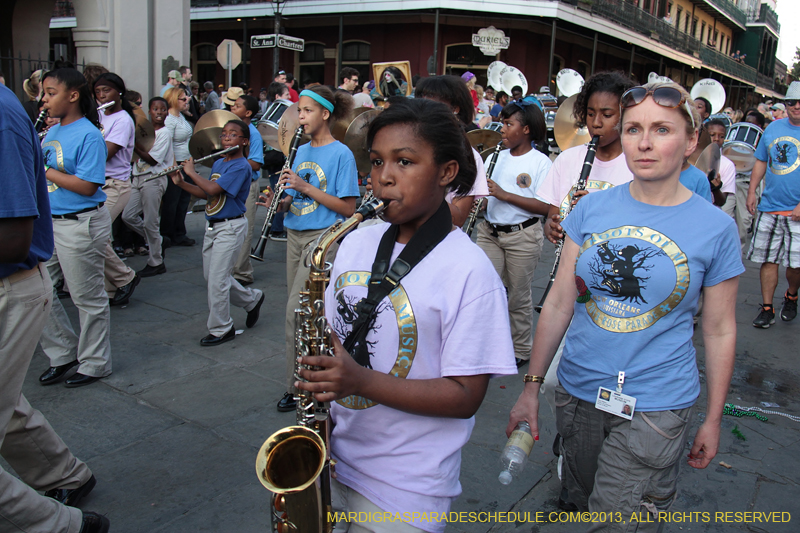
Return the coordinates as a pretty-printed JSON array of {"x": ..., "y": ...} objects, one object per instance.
[
  {"x": 405, "y": 396},
  {"x": 75, "y": 158},
  {"x": 511, "y": 237},
  {"x": 230, "y": 182},
  {"x": 724, "y": 185},
  {"x": 146, "y": 192},
  {"x": 322, "y": 188}
]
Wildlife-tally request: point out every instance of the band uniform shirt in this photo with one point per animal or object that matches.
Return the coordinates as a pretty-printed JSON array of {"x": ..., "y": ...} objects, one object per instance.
[
  {"x": 77, "y": 149},
  {"x": 779, "y": 148},
  {"x": 331, "y": 169},
  {"x": 558, "y": 187},
  {"x": 181, "y": 132},
  {"x": 425, "y": 329},
  {"x": 256, "y": 153},
  {"x": 23, "y": 181},
  {"x": 119, "y": 129},
  {"x": 521, "y": 175},
  {"x": 161, "y": 152},
  {"x": 696, "y": 181},
  {"x": 727, "y": 171},
  {"x": 235, "y": 177},
  {"x": 638, "y": 276}
]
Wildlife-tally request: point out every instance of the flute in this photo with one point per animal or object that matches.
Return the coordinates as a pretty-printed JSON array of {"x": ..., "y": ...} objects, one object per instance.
[{"x": 176, "y": 168}]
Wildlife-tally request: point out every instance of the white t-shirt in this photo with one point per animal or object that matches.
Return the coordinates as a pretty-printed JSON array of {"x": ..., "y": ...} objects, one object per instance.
[
  {"x": 120, "y": 130},
  {"x": 161, "y": 152},
  {"x": 557, "y": 188},
  {"x": 447, "y": 317},
  {"x": 181, "y": 133},
  {"x": 727, "y": 171},
  {"x": 480, "y": 188},
  {"x": 363, "y": 100},
  {"x": 521, "y": 175}
]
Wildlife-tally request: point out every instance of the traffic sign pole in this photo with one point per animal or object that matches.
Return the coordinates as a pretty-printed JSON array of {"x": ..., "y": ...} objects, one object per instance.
[{"x": 228, "y": 66}]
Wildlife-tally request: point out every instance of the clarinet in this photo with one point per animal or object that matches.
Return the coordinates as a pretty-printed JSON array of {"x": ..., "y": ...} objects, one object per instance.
[
  {"x": 580, "y": 186},
  {"x": 257, "y": 252},
  {"x": 476, "y": 206},
  {"x": 39, "y": 120}
]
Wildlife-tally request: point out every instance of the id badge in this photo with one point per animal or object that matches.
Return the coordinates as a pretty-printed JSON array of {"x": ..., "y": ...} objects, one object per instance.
[{"x": 616, "y": 403}]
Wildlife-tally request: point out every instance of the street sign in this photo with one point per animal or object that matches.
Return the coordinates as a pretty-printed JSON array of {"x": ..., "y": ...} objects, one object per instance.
[
  {"x": 291, "y": 43},
  {"x": 263, "y": 41},
  {"x": 235, "y": 54}
]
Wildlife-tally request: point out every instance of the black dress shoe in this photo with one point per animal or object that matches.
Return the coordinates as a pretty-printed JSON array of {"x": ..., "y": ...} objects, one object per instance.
[
  {"x": 54, "y": 374},
  {"x": 124, "y": 293},
  {"x": 149, "y": 270},
  {"x": 72, "y": 497},
  {"x": 79, "y": 380},
  {"x": 94, "y": 523},
  {"x": 183, "y": 241},
  {"x": 252, "y": 315},
  {"x": 211, "y": 340},
  {"x": 522, "y": 362},
  {"x": 287, "y": 403}
]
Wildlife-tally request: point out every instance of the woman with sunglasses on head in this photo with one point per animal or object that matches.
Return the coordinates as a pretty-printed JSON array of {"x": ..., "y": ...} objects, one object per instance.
[
  {"x": 176, "y": 201},
  {"x": 511, "y": 234},
  {"x": 75, "y": 163},
  {"x": 634, "y": 260},
  {"x": 321, "y": 188},
  {"x": 227, "y": 191}
]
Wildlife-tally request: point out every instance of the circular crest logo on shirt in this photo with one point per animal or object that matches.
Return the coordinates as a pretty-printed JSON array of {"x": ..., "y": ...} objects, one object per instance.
[
  {"x": 636, "y": 276},
  {"x": 407, "y": 330},
  {"x": 524, "y": 180},
  {"x": 592, "y": 185},
  {"x": 308, "y": 170},
  {"x": 783, "y": 155}
]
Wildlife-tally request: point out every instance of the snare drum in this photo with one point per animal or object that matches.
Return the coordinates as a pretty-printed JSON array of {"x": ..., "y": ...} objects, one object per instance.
[
  {"x": 274, "y": 112},
  {"x": 494, "y": 126},
  {"x": 746, "y": 133},
  {"x": 725, "y": 120},
  {"x": 741, "y": 154}
]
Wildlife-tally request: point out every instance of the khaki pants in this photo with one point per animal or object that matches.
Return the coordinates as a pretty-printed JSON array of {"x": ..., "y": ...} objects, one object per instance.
[
  {"x": 221, "y": 246},
  {"x": 243, "y": 270},
  {"x": 619, "y": 466},
  {"x": 346, "y": 500},
  {"x": 297, "y": 244},
  {"x": 117, "y": 273},
  {"x": 741, "y": 215},
  {"x": 78, "y": 257},
  {"x": 145, "y": 200},
  {"x": 27, "y": 441},
  {"x": 514, "y": 256}
]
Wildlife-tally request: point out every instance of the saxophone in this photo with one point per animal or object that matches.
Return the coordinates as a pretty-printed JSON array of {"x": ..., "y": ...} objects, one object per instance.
[{"x": 294, "y": 463}]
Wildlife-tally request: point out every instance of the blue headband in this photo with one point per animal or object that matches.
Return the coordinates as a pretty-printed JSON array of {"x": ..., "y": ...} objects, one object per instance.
[{"x": 317, "y": 98}]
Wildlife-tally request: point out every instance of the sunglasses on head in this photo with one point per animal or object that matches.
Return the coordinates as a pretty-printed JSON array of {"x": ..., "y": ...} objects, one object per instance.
[
  {"x": 790, "y": 103},
  {"x": 664, "y": 96}
]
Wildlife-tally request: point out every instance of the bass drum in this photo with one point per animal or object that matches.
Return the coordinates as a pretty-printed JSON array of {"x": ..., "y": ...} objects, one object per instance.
[{"x": 215, "y": 203}]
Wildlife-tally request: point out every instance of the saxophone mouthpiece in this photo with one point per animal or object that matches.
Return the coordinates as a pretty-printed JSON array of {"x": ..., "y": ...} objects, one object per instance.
[{"x": 371, "y": 208}]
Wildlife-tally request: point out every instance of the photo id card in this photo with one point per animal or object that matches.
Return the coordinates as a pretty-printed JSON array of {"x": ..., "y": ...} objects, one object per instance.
[{"x": 616, "y": 403}]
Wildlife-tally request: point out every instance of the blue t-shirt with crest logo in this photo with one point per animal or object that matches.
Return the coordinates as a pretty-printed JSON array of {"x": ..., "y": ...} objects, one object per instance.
[
  {"x": 638, "y": 277},
  {"x": 235, "y": 177}
]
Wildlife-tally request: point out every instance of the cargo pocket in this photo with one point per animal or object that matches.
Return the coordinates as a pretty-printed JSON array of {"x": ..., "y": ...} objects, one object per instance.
[
  {"x": 566, "y": 406},
  {"x": 657, "y": 438}
]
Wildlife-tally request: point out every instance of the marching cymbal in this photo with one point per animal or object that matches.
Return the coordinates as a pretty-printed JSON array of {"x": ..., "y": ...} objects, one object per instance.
[
  {"x": 204, "y": 142},
  {"x": 216, "y": 118},
  {"x": 356, "y": 139},
  {"x": 484, "y": 139},
  {"x": 290, "y": 121},
  {"x": 145, "y": 133},
  {"x": 269, "y": 134},
  {"x": 709, "y": 159},
  {"x": 702, "y": 143},
  {"x": 566, "y": 129}
]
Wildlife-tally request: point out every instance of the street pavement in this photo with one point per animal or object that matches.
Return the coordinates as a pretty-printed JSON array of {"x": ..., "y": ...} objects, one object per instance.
[{"x": 173, "y": 433}]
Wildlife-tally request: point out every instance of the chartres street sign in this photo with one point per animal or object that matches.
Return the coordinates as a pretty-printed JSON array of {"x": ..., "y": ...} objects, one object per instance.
[{"x": 283, "y": 41}]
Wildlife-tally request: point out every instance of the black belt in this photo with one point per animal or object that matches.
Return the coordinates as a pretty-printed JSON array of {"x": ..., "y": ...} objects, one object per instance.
[
  {"x": 74, "y": 216},
  {"x": 513, "y": 228},
  {"x": 212, "y": 221}
]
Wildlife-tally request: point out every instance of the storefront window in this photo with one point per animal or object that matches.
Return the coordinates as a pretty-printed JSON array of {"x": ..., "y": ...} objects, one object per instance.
[
  {"x": 355, "y": 54},
  {"x": 312, "y": 64},
  {"x": 460, "y": 58}
]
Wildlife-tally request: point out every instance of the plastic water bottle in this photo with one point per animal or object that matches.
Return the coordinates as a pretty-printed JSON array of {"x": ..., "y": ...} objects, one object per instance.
[{"x": 516, "y": 453}]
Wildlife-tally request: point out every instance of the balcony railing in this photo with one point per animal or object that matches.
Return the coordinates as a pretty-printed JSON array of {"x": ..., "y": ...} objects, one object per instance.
[
  {"x": 214, "y": 3},
  {"x": 730, "y": 9},
  {"x": 768, "y": 17},
  {"x": 765, "y": 81},
  {"x": 712, "y": 58},
  {"x": 64, "y": 9}
]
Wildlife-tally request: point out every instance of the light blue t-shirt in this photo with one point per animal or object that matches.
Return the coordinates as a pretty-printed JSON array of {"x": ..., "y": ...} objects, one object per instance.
[
  {"x": 779, "y": 148},
  {"x": 77, "y": 149},
  {"x": 330, "y": 168},
  {"x": 234, "y": 177},
  {"x": 693, "y": 179},
  {"x": 638, "y": 276},
  {"x": 256, "y": 153}
]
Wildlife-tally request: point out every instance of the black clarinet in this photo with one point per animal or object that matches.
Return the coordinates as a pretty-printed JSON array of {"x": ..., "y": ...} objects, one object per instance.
[
  {"x": 580, "y": 186},
  {"x": 476, "y": 205},
  {"x": 257, "y": 252},
  {"x": 39, "y": 120}
]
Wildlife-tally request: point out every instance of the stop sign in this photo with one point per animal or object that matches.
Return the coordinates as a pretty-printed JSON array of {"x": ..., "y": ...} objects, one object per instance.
[{"x": 222, "y": 54}]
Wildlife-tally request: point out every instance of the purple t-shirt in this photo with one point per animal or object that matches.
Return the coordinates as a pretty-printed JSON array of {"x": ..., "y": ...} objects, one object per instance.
[{"x": 119, "y": 129}]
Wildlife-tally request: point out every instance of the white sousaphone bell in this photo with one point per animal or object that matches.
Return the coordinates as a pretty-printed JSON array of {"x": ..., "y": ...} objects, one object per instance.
[
  {"x": 569, "y": 82},
  {"x": 711, "y": 90},
  {"x": 493, "y": 75}
]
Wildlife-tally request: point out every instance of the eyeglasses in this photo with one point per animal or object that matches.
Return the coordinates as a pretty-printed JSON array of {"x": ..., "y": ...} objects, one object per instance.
[
  {"x": 790, "y": 103},
  {"x": 224, "y": 136},
  {"x": 664, "y": 96}
]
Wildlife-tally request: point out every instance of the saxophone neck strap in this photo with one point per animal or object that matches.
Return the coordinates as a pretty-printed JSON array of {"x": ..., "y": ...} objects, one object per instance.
[{"x": 384, "y": 278}]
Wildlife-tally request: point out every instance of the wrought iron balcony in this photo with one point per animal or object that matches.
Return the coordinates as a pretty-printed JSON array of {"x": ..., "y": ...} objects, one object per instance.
[
  {"x": 768, "y": 17},
  {"x": 712, "y": 58},
  {"x": 730, "y": 9},
  {"x": 63, "y": 9}
]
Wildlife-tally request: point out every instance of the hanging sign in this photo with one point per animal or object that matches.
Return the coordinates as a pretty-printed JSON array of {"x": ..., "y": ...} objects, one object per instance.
[{"x": 490, "y": 40}]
